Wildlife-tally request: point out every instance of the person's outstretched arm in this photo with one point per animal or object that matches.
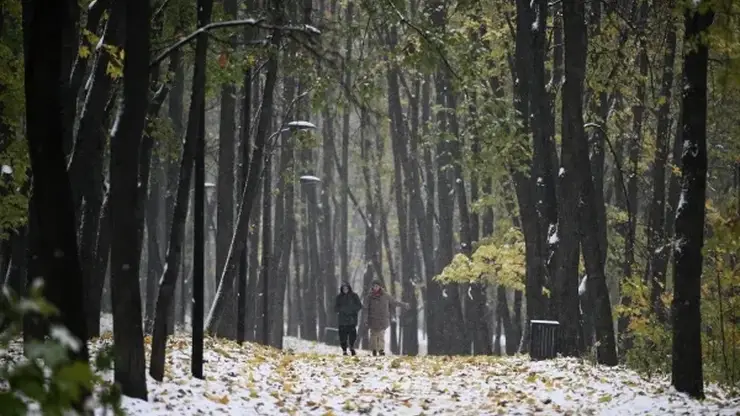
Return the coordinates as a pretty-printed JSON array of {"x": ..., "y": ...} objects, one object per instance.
[{"x": 397, "y": 303}]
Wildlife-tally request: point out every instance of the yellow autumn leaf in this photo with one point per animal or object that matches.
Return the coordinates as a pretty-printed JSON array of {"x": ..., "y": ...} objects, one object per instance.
[{"x": 216, "y": 399}]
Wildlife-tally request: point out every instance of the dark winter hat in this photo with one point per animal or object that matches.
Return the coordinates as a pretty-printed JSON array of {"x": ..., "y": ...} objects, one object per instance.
[
  {"x": 377, "y": 282},
  {"x": 347, "y": 285}
]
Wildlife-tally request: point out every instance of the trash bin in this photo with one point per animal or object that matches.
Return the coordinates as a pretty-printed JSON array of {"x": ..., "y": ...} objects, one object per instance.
[
  {"x": 543, "y": 337},
  {"x": 331, "y": 336}
]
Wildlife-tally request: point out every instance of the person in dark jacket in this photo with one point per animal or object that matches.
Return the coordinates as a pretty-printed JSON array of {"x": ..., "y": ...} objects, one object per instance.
[{"x": 347, "y": 305}]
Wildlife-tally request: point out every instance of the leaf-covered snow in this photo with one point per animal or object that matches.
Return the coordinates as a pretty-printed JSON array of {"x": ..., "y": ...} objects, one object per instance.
[{"x": 312, "y": 379}]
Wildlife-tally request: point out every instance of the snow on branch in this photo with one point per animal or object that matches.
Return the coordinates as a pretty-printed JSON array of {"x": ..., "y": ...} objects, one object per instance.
[{"x": 260, "y": 23}]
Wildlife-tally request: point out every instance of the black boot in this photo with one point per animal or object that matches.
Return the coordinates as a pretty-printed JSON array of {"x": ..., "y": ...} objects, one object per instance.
[
  {"x": 381, "y": 352},
  {"x": 375, "y": 353},
  {"x": 353, "y": 351},
  {"x": 344, "y": 352}
]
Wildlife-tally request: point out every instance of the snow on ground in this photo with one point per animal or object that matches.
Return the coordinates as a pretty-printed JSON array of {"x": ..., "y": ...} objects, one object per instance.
[
  {"x": 312, "y": 379},
  {"x": 309, "y": 378}
]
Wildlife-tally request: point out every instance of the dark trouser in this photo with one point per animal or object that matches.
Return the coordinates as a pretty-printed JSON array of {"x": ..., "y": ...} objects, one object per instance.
[{"x": 347, "y": 336}]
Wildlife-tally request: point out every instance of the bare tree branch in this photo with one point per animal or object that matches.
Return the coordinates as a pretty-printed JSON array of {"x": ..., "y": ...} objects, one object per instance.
[{"x": 306, "y": 29}]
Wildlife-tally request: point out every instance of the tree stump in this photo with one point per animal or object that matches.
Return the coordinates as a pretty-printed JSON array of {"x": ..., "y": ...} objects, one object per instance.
[{"x": 543, "y": 337}]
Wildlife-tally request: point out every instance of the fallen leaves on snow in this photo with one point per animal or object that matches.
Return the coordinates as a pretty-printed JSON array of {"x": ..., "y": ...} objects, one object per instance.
[{"x": 311, "y": 379}]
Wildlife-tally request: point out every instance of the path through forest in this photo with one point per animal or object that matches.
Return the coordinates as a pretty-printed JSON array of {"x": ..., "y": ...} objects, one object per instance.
[{"x": 312, "y": 379}]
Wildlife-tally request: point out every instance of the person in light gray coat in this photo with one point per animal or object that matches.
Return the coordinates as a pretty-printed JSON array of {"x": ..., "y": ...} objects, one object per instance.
[{"x": 378, "y": 317}]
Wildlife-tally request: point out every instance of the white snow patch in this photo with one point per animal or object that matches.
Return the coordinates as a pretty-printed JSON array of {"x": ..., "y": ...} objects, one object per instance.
[
  {"x": 37, "y": 283},
  {"x": 312, "y": 378},
  {"x": 544, "y": 321},
  {"x": 64, "y": 337},
  {"x": 309, "y": 179},
  {"x": 582, "y": 285},
  {"x": 299, "y": 125},
  {"x": 312, "y": 29},
  {"x": 6, "y": 170}
]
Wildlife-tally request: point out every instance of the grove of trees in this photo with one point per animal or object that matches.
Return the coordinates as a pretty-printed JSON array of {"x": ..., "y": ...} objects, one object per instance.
[{"x": 226, "y": 165}]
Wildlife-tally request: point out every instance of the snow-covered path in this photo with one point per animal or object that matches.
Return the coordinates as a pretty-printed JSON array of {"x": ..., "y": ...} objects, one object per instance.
[{"x": 311, "y": 379}]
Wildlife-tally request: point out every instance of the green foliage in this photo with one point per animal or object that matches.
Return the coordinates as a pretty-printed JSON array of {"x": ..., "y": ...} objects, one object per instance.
[
  {"x": 13, "y": 151},
  {"x": 48, "y": 379},
  {"x": 720, "y": 303},
  {"x": 498, "y": 260},
  {"x": 13, "y": 187},
  {"x": 163, "y": 134},
  {"x": 651, "y": 351}
]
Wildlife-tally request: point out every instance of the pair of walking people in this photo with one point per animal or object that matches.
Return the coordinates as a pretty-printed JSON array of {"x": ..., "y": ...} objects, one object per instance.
[{"x": 377, "y": 316}]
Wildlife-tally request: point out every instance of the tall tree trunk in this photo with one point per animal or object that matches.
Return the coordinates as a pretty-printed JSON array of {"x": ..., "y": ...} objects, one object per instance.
[
  {"x": 657, "y": 250},
  {"x": 634, "y": 146},
  {"x": 477, "y": 313},
  {"x": 175, "y": 248},
  {"x": 543, "y": 169},
  {"x": 53, "y": 243},
  {"x": 687, "y": 376},
  {"x": 148, "y": 200},
  {"x": 425, "y": 215},
  {"x": 315, "y": 258},
  {"x": 86, "y": 166},
  {"x": 448, "y": 304},
  {"x": 298, "y": 288},
  {"x": 310, "y": 321},
  {"x": 254, "y": 269},
  {"x": 566, "y": 238},
  {"x": 244, "y": 296},
  {"x": 199, "y": 244},
  {"x": 260, "y": 153},
  {"x": 575, "y": 141},
  {"x": 124, "y": 199},
  {"x": 344, "y": 171},
  {"x": 225, "y": 189},
  {"x": 155, "y": 254},
  {"x": 537, "y": 302},
  {"x": 266, "y": 273},
  {"x": 284, "y": 219},
  {"x": 410, "y": 316},
  {"x": 327, "y": 180},
  {"x": 599, "y": 107},
  {"x": 399, "y": 138},
  {"x": 466, "y": 242}
]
